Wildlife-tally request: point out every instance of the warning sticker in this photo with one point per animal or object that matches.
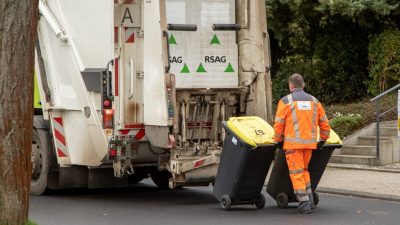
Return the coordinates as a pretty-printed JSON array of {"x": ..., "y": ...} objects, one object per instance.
[{"x": 204, "y": 58}]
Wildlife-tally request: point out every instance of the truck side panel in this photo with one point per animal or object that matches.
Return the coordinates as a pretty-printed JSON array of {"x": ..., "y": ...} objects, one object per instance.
[
  {"x": 88, "y": 46},
  {"x": 155, "y": 98}
]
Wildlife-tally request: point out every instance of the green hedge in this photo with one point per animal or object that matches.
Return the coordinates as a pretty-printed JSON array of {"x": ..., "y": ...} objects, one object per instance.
[
  {"x": 384, "y": 57},
  {"x": 345, "y": 124}
]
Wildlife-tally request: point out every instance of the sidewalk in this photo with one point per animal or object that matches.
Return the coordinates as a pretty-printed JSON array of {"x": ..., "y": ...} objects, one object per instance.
[{"x": 362, "y": 181}]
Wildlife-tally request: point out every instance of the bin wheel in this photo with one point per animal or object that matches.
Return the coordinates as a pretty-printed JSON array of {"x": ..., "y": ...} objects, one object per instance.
[
  {"x": 260, "y": 202},
  {"x": 226, "y": 202},
  {"x": 282, "y": 200},
  {"x": 316, "y": 198}
]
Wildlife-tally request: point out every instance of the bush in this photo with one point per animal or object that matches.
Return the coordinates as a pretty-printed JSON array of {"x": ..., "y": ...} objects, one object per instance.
[
  {"x": 335, "y": 71},
  {"x": 384, "y": 58},
  {"x": 344, "y": 124},
  {"x": 367, "y": 111}
]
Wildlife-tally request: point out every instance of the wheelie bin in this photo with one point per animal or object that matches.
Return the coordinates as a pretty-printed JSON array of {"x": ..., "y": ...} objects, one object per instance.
[
  {"x": 246, "y": 157},
  {"x": 280, "y": 186}
]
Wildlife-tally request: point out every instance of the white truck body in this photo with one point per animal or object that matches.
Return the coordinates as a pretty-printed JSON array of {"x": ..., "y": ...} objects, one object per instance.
[{"x": 165, "y": 90}]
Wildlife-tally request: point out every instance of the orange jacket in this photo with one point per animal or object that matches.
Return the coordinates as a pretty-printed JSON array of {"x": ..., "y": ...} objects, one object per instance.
[{"x": 297, "y": 118}]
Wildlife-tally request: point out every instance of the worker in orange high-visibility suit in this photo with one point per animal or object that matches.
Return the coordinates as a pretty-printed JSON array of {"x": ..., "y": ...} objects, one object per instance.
[{"x": 297, "y": 118}]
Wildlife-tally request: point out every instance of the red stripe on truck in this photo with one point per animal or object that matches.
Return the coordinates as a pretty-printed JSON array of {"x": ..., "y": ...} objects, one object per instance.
[
  {"x": 140, "y": 135},
  {"x": 59, "y": 137},
  {"x": 59, "y": 120},
  {"x": 129, "y": 35},
  {"x": 115, "y": 34},
  {"x": 61, "y": 153},
  {"x": 199, "y": 163},
  {"x": 125, "y": 132}
]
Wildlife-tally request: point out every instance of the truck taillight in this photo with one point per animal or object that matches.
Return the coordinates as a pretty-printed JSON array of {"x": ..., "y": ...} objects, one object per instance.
[
  {"x": 113, "y": 152},
  {"x": 106, "y": 103},
  {"x": 108, "y": 118}
]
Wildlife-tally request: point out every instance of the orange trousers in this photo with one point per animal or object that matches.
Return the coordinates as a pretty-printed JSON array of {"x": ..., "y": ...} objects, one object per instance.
[{"x": 297, "y": 161}]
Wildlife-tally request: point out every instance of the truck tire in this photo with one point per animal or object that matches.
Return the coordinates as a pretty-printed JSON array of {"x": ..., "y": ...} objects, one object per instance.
[
  {"x": 161, "y": 178},
  {"x": 42, "y": 158},
  {"x": 136, "y": 178}
]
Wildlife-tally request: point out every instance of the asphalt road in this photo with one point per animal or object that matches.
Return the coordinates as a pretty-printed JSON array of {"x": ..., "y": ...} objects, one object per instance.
[{"x": 145, "y": 204}]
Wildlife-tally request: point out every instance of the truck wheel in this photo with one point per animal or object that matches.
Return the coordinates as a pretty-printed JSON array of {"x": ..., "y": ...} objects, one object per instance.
[
  {"x": 134, "y": 179},
  {"x": 41, "y": 158},
  {"x": 282, "y": 200},
  {"x": 226, "y": 202},
  {"x": 260, "y": 203},
  {"x": 137, "y": 177},
  {"x": 161, "y": 178}
]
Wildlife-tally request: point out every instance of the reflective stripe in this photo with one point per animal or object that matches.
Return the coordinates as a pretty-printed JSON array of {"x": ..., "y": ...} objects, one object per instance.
[
  {"x": 300, "y": 140},
  {"x": 308, "y": 189},
  {"x": 324, "y": 132},
  {"x": 323, "y": 119},
  {"x": 289, "y": 152},
  {"x": 294, "y": 117},
  {"x": 314, "y": 117},
  {"x": 303, "y": 198},
  {"x": 300, "y": 192},
  {"x": 279, "y": 120},
  {"x": 296, "y": 171},
  {"x": 308, "y": 186}
]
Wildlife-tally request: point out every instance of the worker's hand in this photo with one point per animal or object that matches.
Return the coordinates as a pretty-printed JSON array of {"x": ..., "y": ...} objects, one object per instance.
[
  {"x": 279, "y": 145},
  {"x": 320, "y": 145}
]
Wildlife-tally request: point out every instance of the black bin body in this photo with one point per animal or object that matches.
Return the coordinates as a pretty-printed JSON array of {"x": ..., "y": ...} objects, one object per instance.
[
  {"x": 242, "y": 170},
  {"x": 279, "y": 181}
]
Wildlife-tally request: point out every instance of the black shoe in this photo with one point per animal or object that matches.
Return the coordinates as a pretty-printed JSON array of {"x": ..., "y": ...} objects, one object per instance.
[{"x": 304, "y": 207}]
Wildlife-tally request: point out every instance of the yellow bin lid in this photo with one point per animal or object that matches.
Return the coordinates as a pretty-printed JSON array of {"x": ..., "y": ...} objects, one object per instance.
[
  {"x": 252, "y": 130},
  {"x": 333, "y": 138}
]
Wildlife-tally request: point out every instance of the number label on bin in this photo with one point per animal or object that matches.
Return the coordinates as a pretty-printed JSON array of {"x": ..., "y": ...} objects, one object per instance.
[
  {"x": 234, "y": 141},
  {"x": 259, "y": 132}
]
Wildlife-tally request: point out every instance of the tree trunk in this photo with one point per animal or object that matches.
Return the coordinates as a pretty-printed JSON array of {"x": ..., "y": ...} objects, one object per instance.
[{"x": 18, "y": 19}]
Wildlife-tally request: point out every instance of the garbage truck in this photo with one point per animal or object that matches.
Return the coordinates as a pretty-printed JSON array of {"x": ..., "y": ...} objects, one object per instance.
[{"x": 131, "y": 89}]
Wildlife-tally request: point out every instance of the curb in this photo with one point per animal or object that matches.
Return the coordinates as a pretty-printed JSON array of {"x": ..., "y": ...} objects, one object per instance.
[
  {"x": 360, "y": 194},
  {"x": 364, "y": 168}
]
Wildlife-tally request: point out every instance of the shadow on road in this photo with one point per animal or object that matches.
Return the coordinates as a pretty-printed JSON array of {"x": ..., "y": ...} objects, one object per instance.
[{"x": 142, "y": 192}]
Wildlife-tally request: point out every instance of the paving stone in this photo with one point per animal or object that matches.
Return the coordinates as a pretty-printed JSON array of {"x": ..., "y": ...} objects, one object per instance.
[{"x": 385, "y": 183}]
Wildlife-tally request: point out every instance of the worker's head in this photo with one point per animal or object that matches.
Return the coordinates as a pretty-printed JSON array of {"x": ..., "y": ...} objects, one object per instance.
[{"x": 295, "y": 82}]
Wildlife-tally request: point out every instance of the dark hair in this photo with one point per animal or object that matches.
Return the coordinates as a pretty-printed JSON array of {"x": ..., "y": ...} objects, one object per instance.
[{"x": 296, "y": 80}]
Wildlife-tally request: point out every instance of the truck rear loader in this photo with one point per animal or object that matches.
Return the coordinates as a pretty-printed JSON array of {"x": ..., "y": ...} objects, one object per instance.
[{"x": 127, "y": 89}]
